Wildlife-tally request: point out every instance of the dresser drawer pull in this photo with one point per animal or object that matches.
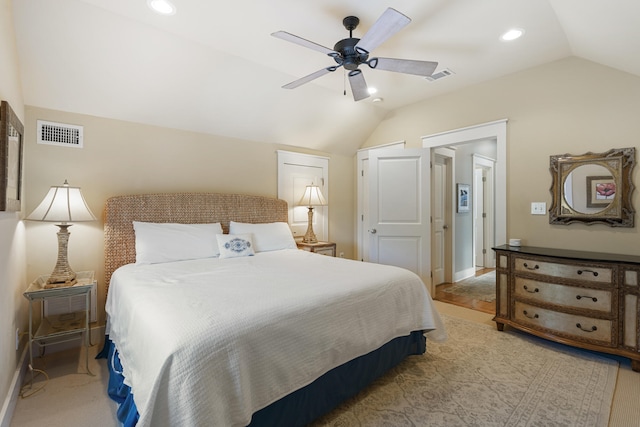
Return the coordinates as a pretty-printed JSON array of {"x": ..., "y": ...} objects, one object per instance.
[
  {"x": 595, "y": 273},
  {"x": 593, "y": 328},
  {"x": 535, "y": 267},
  {"x": 535, "y": 316},
  {"x": 533, "y": 291},
  {"x": 587, "y": 296}
]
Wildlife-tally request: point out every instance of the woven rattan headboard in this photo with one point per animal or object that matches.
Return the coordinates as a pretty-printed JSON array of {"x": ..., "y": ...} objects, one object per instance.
[{"x": 186, "y": 208}]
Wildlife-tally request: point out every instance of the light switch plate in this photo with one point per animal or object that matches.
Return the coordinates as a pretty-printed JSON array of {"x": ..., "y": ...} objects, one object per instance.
[{"x": 538, "y": 208}]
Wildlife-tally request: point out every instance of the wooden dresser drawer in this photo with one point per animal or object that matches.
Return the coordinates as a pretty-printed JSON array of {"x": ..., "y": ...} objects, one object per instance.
[
  {"x": 582, "y": 272},
  {"x": 575, "y": 327},
  {"x": 563, "y": 295},
  {"x": 589, "y": 300}
]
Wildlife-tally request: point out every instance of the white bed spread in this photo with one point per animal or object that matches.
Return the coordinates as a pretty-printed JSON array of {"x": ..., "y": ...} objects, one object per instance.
[{"x": 211, "y": 341}]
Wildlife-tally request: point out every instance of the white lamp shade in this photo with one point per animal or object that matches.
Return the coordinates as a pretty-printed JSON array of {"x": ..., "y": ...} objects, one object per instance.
[
  {"x": 62, "y": 204},
  {"x": 312, "y": 197}
]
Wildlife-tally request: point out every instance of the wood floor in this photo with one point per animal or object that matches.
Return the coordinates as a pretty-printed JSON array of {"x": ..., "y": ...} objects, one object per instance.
[{"x": 484, "y": 306}]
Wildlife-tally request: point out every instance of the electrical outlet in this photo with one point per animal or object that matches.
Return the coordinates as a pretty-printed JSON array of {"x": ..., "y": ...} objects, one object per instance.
[
  {"x": 341, "y": 255},
  {"x": 17, "y": 339},
  {"x": 538, "y": 208}
]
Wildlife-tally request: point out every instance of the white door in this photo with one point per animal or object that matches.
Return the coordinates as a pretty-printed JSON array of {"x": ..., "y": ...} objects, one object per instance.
[
  {"x": 362, "y": 245},
  {"x": 479, "y": 216},
  {"x": 438, "y": 218},
  {"x": 399, "y": 228},
  {"x": 484, "y": 227}
]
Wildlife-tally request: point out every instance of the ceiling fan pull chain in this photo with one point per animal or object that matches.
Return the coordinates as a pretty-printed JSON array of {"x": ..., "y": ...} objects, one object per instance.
[{"x": 344, "y": 81}]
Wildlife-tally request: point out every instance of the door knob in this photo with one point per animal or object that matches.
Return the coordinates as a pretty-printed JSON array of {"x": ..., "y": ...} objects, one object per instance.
[
  {"x": 445, "y": 227},
  {"x": 373, "y": 231}
]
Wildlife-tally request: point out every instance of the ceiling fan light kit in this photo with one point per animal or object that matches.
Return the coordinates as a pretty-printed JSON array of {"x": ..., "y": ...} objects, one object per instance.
[{"x": 352, "y": 52}]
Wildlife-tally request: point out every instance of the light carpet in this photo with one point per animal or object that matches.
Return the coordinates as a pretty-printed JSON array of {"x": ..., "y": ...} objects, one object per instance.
[
  {"x": 482, "y": 377},
  {"x": 479, "y": 287},
  {"x": 72, "y": 398}
]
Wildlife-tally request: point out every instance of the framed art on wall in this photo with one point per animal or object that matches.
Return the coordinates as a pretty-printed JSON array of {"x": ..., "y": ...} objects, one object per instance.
[
  {"x": 11, "y": 131},
  {"x": 464, "y": 196}
]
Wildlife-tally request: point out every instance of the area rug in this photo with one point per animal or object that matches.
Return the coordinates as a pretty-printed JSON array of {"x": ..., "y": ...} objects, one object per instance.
[
  {"x": 482, "y": 377},
  {"x": 480, "y": 287}
]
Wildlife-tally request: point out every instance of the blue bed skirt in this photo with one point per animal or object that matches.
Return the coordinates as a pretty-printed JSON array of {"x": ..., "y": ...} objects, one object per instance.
[{"x": 302, "y": 406}]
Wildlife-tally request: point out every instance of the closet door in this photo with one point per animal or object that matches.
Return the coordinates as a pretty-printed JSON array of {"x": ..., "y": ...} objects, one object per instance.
[{"x": 295, "y": 172}]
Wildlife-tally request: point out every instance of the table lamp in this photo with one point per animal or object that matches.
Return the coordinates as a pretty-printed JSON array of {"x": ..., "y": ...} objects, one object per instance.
[
  {"x": 312, "y": 197},
  {"x": 62, "y": 204}
]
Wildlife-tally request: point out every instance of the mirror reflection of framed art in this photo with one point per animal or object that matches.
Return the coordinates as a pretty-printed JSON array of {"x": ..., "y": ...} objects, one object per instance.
[{"x": 601, "y": 190}]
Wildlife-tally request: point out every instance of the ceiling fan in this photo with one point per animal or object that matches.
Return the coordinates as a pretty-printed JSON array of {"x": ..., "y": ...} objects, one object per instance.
[{"x": 351, "y": 52}]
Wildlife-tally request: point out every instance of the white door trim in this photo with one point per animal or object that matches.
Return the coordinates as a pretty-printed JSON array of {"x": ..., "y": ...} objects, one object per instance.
[{"x": 497, "y": 130}]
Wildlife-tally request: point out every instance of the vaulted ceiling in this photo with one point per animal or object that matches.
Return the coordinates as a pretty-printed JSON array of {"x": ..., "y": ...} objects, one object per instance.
[{"x": 213, "y": 66}]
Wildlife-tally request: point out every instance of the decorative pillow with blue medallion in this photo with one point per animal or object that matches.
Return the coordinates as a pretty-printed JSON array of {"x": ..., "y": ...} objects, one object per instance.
[{"x": 235, "y": 245}]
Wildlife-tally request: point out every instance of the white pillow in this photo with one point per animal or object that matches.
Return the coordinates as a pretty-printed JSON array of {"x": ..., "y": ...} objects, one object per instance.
[
  {"x": 166, "y": 242},
  {"x": 266, "y": 237},
  {"x": 235, "y": 245}
]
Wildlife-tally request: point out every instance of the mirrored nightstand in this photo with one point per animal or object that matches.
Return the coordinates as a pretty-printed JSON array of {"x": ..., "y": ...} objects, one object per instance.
[
  {"x": 323, "y": 248},
  {"x": 59, "y": 328}
]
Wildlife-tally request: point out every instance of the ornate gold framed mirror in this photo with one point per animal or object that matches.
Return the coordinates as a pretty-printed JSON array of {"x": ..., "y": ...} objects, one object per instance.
[{"x": 593, "y": 188}]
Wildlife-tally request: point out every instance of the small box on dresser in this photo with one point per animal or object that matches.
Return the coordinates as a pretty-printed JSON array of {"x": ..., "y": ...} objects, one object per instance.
[{"x": 584, "y": 299}]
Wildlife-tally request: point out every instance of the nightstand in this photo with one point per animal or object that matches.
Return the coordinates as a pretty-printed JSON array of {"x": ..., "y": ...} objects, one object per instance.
[
  {"x": 59, "y": 328},
  {"x": 323, "y": 248}
]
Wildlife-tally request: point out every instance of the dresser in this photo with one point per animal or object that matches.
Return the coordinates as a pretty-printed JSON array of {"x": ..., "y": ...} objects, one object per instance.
[{"x": 584, "y": 299}]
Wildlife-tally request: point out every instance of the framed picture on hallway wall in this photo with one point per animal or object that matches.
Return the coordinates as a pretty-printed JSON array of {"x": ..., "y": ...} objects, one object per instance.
[{"x": 464, "y": 197}]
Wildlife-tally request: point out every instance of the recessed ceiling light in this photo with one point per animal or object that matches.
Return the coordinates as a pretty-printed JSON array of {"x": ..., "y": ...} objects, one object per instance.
[
  {"x": 163, "y": 7},
  {"x": 372, "y": 90},
  {"x": 512, "y": 34}
]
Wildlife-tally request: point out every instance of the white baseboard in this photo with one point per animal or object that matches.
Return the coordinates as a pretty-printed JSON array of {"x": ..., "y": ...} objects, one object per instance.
[
  {"x": 464, "y": 274},
  {"x": 11, "y": 399},
  {"x": 14, "y": 390}
]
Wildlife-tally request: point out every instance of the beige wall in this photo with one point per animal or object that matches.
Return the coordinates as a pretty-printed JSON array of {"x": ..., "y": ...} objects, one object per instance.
[
  {"x": 127, "y": 158},
  {"x": 12, "y": 240},
  {"x": 569, "y": 106}
]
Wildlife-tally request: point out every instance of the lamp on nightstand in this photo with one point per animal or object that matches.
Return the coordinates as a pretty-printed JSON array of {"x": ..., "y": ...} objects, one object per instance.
[
  {"x": 312, "y": 197},
  {"x": 62, "y": 204}
]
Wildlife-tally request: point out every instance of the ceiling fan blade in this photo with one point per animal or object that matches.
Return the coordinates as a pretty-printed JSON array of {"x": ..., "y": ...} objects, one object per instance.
[
  {"x": 312, "y": 76},
  {"x": 358, "y": 85},
  {"x": 389, "y": 23},
  {"x": 406, "y": 66},
  {"x": 303, "y": 42}
]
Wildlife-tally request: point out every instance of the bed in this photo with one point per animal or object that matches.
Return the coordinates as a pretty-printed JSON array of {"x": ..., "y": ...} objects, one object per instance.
[{"x": 249, "y": 330}]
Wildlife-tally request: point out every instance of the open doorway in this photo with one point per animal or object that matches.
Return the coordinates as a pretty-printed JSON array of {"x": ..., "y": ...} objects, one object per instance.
[{"x": 462, "y": 235}]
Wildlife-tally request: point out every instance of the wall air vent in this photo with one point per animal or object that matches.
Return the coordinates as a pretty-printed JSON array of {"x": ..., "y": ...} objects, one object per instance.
[
  {"x": 440, "y": 75},
  {"x": 60, "y": 134}
]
